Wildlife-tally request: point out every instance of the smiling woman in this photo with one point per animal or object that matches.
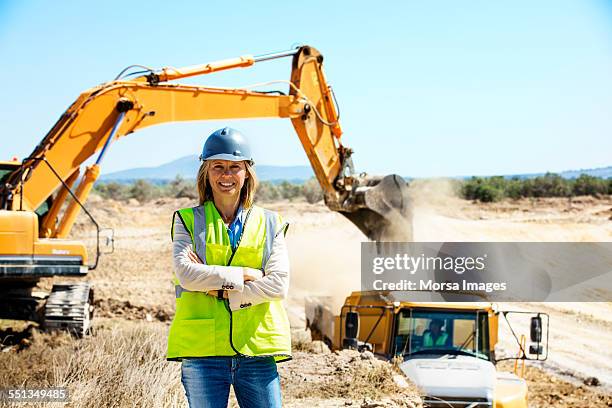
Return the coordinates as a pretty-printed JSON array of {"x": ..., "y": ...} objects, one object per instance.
[
  {"x": 231, "y": 274},
  {"x": 225, "y": 179}
]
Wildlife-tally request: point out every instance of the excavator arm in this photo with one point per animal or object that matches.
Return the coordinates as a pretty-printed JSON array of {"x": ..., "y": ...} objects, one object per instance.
[{"x": 117, "y": 108}]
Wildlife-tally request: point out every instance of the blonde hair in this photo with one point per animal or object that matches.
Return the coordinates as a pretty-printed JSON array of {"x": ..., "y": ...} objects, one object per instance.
[{"x": 247, "y": 194}]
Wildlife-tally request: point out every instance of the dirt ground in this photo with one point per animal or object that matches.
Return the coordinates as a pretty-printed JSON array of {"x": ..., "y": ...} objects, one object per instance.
[
  {"x": 551, "y": 390},
  {"x": 135, "y": 300},
  {"x": 122, "y": 365}
]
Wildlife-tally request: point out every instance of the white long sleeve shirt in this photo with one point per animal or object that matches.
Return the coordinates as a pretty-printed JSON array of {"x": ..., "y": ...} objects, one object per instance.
[{"x": 273, "y": 285}]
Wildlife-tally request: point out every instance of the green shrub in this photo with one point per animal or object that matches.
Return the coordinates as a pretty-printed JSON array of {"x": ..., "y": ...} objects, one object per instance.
[
  {"x": 488, "y": 193},
  {"x": 311, "y": 190},
  {"x": 179, "y": 188},
  {"x": 514, "y": 188},
  {"x": 589, "y": 185},
  {"x": 489, "y": 189},
  {"x": 142, "y": 191},
  {"x": 112, "y": 190},
  {"x": 550, "y": 185},
  {"x": 483, "y": 189},
  {"x": 289, "y": 191},
  {"x": 266, "y": 192}
]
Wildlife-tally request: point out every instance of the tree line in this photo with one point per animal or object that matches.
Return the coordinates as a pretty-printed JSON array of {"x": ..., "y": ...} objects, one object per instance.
[
  {"x": 485, "y": 189},
  {"x": 143, "y": 190},
  {"x": 490, "y": 189}
]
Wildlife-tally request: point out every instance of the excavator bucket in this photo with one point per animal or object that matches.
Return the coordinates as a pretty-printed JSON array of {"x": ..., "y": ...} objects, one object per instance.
[
  {"x": 381, "y": 208},
  {"x": 378, "y": 206}
]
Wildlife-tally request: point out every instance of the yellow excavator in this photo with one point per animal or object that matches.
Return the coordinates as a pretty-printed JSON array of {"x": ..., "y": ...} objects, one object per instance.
[{"x": 41, "y": 196}]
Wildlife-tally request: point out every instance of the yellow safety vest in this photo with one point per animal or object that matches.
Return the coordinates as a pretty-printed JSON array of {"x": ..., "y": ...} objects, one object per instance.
[
  {"x": 440, "y": 340},
  {"x": 204, "y": 325}
]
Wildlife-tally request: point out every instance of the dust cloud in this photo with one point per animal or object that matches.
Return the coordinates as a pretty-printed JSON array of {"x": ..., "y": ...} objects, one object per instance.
[
  {"x": 325, "y": 260},
  {"x": 427, "y": 198},
  {"x": 325, "y": 247}
]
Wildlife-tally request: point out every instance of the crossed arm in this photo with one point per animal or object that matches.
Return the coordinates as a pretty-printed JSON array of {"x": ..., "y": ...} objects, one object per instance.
[{"x": 250, "y": 286}]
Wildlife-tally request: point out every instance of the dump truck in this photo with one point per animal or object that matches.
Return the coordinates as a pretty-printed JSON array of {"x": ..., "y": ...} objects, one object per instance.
[
  {"x": 447, "y": 349},
  {"x": 41, "y": 195}
]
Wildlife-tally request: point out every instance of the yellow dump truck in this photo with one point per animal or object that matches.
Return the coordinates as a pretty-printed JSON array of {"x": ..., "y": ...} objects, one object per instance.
[{"x": 446, "y": 349}]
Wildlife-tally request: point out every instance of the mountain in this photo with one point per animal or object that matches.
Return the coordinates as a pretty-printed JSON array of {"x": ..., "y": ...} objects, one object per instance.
[
  {"x": 187, "y": 167},
  {"x": 602, "y": 172}
]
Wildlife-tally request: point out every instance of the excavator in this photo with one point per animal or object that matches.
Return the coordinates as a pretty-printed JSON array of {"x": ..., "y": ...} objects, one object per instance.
[{"x": 41, "y": 196}]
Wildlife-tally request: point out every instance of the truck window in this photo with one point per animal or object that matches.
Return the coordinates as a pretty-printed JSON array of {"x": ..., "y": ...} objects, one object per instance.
[{"x": 439, "y": 332}]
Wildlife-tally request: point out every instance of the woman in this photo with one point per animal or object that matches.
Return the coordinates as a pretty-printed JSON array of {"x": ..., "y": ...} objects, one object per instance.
[{"x": 231, "y": 274}]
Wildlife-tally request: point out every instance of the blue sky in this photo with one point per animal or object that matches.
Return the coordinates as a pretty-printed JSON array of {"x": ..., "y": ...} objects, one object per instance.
[{"x": 431, "y": 88}]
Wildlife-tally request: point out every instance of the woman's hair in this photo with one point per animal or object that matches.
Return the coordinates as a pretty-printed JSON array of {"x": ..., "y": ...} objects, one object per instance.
[{"x": 247, "y": 194}]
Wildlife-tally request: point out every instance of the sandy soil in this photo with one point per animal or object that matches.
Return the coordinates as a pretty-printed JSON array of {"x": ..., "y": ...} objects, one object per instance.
[
  {"x": 134, "y": 284},
  {"x": 325, "y": 247},
  {"x": 579, "y": 343},
  {"x": 546, "y": 390}
]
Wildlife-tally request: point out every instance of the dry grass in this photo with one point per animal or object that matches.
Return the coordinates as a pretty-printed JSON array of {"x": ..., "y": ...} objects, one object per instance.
[
  {"x": 123, "y": 365},
  {"x": 119, "y": 366}
]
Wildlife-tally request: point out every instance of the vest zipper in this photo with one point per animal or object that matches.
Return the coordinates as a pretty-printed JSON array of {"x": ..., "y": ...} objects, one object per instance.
[{"x": 226, "y": 301}]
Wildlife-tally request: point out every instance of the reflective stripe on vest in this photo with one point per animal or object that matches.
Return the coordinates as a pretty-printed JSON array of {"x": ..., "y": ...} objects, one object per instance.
[
  {"x": 272, "y": 221},
  {"x": 203, "y": 324}
]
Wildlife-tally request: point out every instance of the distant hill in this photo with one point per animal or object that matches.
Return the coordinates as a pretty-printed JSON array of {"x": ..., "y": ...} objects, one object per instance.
[
  {"x": 187, "y": 168},
  {"x": 603, "y": 172}
]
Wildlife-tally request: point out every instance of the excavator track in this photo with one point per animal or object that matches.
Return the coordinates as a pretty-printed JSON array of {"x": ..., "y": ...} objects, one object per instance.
[{"x": 69, "y": 308}]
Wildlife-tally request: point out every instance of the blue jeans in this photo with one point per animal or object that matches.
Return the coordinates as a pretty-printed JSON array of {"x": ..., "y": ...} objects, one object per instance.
[{"x": 207, "y": 381}]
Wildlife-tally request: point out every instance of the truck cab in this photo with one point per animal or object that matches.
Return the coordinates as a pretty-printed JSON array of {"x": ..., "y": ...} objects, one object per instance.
[
  {"x": 446, "y": 349},
  {"x": 447, "y": 353}
]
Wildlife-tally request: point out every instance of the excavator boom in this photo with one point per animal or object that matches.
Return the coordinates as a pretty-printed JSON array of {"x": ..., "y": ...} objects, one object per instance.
[{"x": 117, "y": 108}]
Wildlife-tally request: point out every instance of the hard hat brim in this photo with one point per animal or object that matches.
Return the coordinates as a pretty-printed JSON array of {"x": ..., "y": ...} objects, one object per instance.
[{"x": 230, "y": 157}]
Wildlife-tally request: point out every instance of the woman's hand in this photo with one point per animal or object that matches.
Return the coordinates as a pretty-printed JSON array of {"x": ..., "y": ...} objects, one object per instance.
[
  {"x": 193, "y": 257},
  {"x": 251, "y": 274},
  {"x": 215, "y": 293}
]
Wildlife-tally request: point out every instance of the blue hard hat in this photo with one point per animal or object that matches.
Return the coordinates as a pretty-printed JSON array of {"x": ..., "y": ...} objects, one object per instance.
[{"x": 226, "y": 144}]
